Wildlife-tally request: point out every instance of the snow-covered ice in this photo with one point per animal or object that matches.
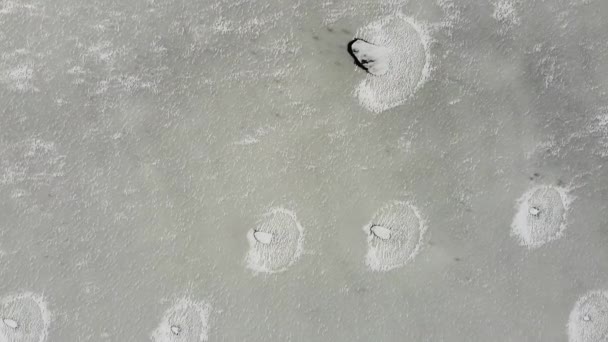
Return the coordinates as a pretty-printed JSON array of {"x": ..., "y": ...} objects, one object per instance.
[{"x": 231, "y": 151}]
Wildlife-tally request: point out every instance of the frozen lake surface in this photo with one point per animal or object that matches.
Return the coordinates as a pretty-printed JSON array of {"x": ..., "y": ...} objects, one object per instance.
[{"x": 179, "y": 170}]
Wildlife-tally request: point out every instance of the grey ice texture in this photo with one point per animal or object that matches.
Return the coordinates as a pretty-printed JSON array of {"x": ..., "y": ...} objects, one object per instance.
[{"x": 141, "y": 140}]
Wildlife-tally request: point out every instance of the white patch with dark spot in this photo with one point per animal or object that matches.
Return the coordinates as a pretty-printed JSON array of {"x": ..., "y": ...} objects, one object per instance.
[
  {"x": 394, "y": 236},
  {"x": 381, "y": 232},
  {"x": 186, "y": 321},
  {"x": 540, "y": 216},
  {"x": 408, "y": 67},
  {"x": 375, "y": 59},
  {"x": 588, "y": 321},
  {"x": 276, "y": 243},
  {"x": 25, "y": 318}
]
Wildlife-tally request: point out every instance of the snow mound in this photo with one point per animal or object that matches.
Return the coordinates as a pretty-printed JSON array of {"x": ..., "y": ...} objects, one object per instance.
[
  {"x": 276, "y": 243},
  {"x": 389, "y": 250},
  {"x": 541, "y": 215},
  {"x": 186, "y": 321},
  {"x": 588, "y": 321},
  {"x": 408, "y": 66}
]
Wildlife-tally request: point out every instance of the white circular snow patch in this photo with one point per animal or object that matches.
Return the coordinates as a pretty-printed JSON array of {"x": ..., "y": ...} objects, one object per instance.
[
  {"x": 408, "y": 51},
  {"x": 540, "y": 216},
  {"x": 25, "y": 318},
  {"x": 186, "y": 321},
  {"x": 276, "y": 243},
  {"x": 388, "y": 250},
  {"x": 588, "y": 321}
]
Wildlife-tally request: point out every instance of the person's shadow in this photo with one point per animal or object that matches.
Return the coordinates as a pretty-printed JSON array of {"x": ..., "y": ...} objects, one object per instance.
[{"x": 349, "y": 47}]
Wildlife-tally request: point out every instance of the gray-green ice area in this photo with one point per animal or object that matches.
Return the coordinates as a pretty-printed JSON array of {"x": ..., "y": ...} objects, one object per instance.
[{"x": 221, "y": 170}]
